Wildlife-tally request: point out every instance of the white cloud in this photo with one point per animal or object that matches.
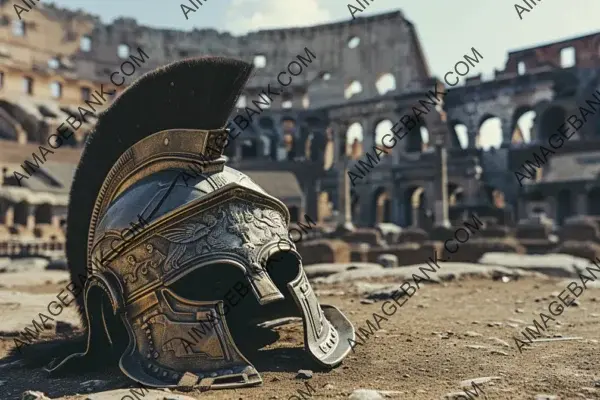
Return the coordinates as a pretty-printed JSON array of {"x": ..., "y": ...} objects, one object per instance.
[{"x": 254, "y": 15}]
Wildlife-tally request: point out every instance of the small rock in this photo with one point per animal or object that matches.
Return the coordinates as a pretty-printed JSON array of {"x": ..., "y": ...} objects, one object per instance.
[
  {"x": 499, "y": 352},
  {"x": 388, "y": 260},
  {"x": 545, "y": 397},
  {"x": 366, "y": 394},
  {"x": 31, "y": 395},
  {"x": 499, "y": 341},
  {"x": 476, "y": 346},
  {"x": 454, "y": 396},
  {"x": 519, "y": 310},
  {"x": 472, "y": 334},
  {"x": 329, "y": 386},
  {"x": 275, "y": 379},
  {"x": 304, "y": 374},
  {"x": 366, "y": 301},
  {"x": 484, "y": 379}
]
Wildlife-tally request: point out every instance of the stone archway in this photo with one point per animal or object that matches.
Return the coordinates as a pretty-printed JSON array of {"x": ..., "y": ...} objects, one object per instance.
[
  {"x": 551, "y": 120},
  {"x": 416, "y": 138},
  {"x": 382, "y": 210},
  {"x": 416, "y": 213},
  {"x": 455, "y": 194},
  {"x": 564, "y": 206},
  {"x": 354, "y": 138},
  {"x": 459, "y": 135},
  {"x": 43, "y": 214},
  {"x": 21, "y": 213},
  {"x": 522, "y": 125},
  {"x": 489, "y": 132}
]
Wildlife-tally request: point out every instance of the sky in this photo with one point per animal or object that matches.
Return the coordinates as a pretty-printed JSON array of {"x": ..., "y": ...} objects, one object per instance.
[{"x": 447, "y": 29}]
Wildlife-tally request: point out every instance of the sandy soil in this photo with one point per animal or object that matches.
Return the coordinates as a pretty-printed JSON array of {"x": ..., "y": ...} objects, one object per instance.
[{"x": 444, "y": 334}]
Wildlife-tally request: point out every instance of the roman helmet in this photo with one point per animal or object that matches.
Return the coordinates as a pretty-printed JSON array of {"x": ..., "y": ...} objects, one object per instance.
[{"x": 164, "y": 232}]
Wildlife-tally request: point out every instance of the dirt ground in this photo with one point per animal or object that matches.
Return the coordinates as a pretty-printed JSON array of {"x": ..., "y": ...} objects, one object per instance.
[{"x": 420, "y": 353}]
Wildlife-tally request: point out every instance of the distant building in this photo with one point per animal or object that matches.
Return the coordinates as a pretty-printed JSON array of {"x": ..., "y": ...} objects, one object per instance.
[{"x": 367, "y": 73}]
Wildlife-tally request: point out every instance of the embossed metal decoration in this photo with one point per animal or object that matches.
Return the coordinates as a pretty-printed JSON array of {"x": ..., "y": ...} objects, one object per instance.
[{"x": 165, "y": 285}]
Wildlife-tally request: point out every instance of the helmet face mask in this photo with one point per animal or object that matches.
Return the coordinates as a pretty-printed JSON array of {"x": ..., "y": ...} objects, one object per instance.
[{"x": 212, "y": 260}]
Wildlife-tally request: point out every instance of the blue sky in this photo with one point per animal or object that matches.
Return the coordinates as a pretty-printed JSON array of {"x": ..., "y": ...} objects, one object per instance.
[{"x": 447, "y": 29}]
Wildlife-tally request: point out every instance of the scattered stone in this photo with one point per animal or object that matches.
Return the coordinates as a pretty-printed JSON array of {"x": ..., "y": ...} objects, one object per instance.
[
  {"x": 31, "y": 395},
  {"x": 472, "y": 334},
  {"x": 499, "y": 352},
  {"x": 476, "y": 347},
  {"x": 326, "y": 269},
  {"x": 304, "y": 374},
  {"x": 555, "y": 339},
  {"x": 329, "y": 386},
  {"x": 454, "y": 396},
  {"x": 366, "y": 301},
  {"x": 499, "y": 341},
  {"x": 519, "y": 310},
  {"x": 555, "y": 264},
  {"x": 366, "y": 394},
  {"x": 492, "y": 324},
  {"x": 59, "y": 264},
  {"x": 545, "y": 397},
  {"x": 388, "y": 260},
  {"x": 456, "y": 271},
  {"x": 478, "y": 381}
]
